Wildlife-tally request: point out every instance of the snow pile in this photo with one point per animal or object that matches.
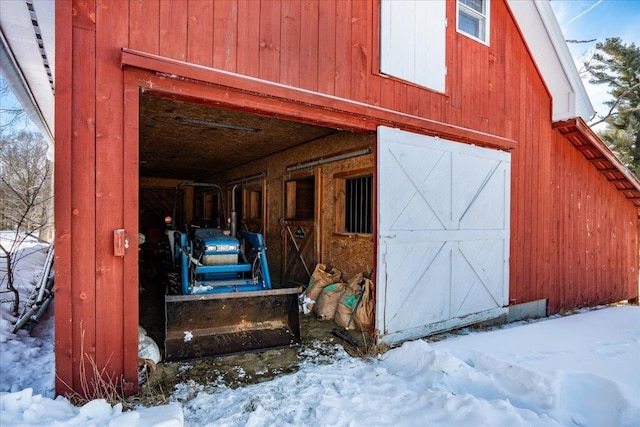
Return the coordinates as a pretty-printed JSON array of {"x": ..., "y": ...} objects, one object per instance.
[
  {"x": 577, "y": 370},
  {"x": 582, "y": 369},
  {"x": 559, "y": 372},
  {"x": 26, "y": 360},
  {"x": 23, "y": 408}
]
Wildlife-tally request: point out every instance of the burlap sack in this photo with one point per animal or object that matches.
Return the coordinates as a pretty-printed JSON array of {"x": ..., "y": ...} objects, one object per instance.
[
  {"x": 325, "y": 307},
  {"x": 355, "y": 282},
  {"x": 363, "y": 318},
  {"x": 345, "y": 308},
  {"x": 319, "y": 279}
]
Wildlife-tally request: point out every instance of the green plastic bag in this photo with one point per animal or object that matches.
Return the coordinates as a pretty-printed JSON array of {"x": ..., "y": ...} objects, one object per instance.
[{"x": 350, "y": 301}]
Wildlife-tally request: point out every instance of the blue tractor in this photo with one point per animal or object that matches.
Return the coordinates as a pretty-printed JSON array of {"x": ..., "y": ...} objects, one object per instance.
[{"x": 225, "y": 303}]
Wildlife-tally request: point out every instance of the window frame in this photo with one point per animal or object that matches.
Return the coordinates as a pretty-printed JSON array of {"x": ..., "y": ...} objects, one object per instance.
[
  {"x": 340, "y": 213},
  {"x": 483, "y": 20}
]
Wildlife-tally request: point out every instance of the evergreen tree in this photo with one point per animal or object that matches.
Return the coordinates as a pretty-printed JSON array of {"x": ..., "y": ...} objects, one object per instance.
[{"x": 618, "y": 66}]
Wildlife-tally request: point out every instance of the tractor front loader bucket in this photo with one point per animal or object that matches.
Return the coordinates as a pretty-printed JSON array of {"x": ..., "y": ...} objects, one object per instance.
[{"x": 208, "y": 325}]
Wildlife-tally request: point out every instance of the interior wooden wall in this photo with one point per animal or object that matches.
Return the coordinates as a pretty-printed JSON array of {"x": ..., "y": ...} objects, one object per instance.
[{"x": 351, "y": 254}]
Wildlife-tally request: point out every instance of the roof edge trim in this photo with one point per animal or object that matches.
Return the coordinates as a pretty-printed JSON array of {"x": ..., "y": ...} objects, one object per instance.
[
  {"x": 589, "y": 137},
  {"x": 564, "y": 55},
  {"x": 21, "y": 90}
]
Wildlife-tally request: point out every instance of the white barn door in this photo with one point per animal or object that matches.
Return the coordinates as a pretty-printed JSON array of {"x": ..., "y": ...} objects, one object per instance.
[{"x": 443, "y": 234}]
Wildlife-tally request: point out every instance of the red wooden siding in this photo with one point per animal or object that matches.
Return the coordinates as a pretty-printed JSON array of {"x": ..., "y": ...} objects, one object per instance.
[
  {"x": 98, "y": 301},
  {"x": 585, "y": 237},
  {"x": 332, "y": 48},
  {"x": 574, "y": 235}
]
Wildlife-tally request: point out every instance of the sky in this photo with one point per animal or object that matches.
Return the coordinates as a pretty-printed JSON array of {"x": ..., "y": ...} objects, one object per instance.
[
  {"x": 597, "y": 19},
  {"x": 574, "y": 370}
]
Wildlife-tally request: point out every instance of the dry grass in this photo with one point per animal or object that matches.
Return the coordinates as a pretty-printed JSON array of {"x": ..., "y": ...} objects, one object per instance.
[
  {"x": 366, "y": 347},
  {"x": 96, "y": 383},
  {"x": 151, "y": 394}
]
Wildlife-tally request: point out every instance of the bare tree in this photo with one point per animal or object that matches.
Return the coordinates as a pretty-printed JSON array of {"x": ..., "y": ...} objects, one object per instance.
[
  {"x": 25, "y": 191},
  {"x": 13, "y": 114}
]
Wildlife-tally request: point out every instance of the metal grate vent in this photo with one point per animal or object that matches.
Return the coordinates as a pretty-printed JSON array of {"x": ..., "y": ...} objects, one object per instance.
[
  {"x": 38, "y": 34},
  {"x": 358, "y": 204}
]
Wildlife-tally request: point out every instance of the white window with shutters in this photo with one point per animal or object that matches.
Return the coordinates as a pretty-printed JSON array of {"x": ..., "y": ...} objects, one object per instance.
[{"x": 412, "y": 41}]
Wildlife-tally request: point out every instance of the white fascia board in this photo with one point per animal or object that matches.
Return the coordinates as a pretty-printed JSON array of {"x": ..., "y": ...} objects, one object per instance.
[
  {"x": 22, "y": 63},
  {"x": 546, "y": 42}
]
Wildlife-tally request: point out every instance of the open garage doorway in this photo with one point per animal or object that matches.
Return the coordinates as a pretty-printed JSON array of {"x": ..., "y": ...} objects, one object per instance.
[{"x": 283, "y": 178}]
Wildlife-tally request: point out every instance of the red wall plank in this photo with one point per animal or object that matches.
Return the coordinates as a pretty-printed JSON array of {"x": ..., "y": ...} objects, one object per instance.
[
  {"x": 225, "y": 35},
  {"x": 360, "y": 50},
  {"x": 172, "y": 32},
  {"x": 62, "y": 200},
  {"x": 131, "y": 226},
  {"x": 111, "y": 318},
  {"x": 144, "y": 25},
  {"x": 309, "y": 41},
  {"x": 373, "y": 44},
  {"x": 496, "y": 70},
  {"x": 200, "y": 32},
  {"x": 290, "y": 43},
  {"x": 343, "y": 49},
  {"x": 327, "y": 48},
  {"x": 270, "y": 26},
  {"x": 248, "y": 55},
  {"x": 83, "y": 213}
]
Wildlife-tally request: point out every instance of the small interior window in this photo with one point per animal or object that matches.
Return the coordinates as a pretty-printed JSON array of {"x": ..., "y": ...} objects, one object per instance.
[
  {"x": 300, "y": 199},
  {"x": 254, "y": 201}
]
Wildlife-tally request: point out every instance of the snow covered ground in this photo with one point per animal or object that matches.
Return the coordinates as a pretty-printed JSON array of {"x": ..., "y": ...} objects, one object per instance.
[{"x": 579, "y": 370}]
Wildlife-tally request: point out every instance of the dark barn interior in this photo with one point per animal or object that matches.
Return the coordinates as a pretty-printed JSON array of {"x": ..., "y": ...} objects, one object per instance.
[{"x": 192, "y": 141}]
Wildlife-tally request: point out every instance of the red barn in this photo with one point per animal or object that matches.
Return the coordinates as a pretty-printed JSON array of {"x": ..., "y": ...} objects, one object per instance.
[{"x": 461, "y": 124}]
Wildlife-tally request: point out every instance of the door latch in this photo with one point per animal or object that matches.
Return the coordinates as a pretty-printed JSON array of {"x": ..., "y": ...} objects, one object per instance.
[{"x": 120, "y": 242}]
